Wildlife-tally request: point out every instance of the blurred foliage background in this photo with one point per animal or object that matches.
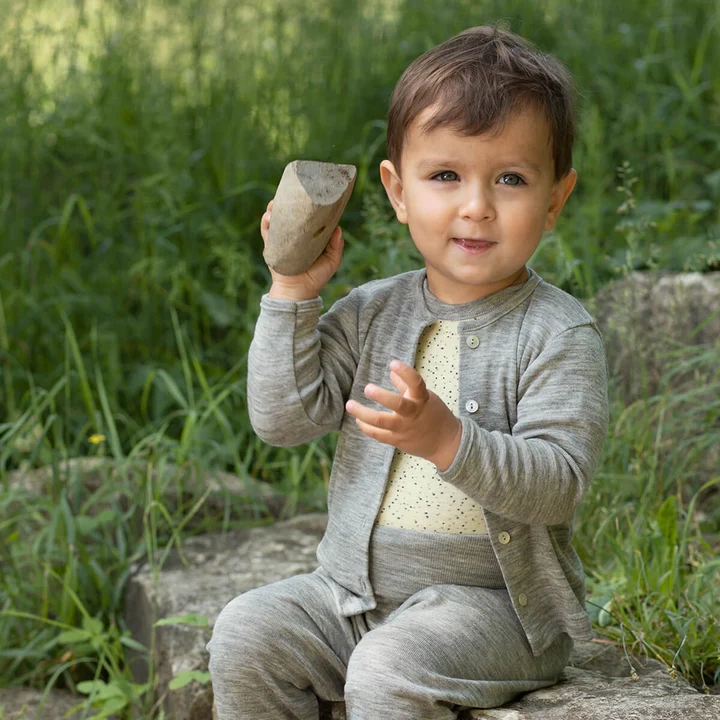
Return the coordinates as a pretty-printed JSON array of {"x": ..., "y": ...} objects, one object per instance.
[{"x": 140, "y": 141}]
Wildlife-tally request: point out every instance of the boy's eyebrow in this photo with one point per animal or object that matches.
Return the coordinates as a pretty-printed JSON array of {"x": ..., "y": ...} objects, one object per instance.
[
  {"x": 528, "y": 164},
  {"x": 434, "y": 163}
]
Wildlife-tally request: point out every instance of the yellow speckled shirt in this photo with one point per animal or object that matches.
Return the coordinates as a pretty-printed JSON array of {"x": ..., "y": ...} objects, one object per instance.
[{"x": 416, "y": 498}]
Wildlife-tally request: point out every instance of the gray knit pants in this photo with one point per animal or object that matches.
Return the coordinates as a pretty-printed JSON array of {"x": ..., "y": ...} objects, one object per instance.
[{"x": 443, "y": 637}]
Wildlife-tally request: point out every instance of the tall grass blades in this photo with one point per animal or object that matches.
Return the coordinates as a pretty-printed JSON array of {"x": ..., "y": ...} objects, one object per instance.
[
  {"x": 141, "y": 142},
  {"x": 649, "y": 532}
]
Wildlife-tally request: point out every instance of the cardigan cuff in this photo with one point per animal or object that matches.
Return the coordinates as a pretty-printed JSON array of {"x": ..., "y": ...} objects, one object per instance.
[
  {"x": 291, "y": 306},
  {"x": 456, "y": 466}
]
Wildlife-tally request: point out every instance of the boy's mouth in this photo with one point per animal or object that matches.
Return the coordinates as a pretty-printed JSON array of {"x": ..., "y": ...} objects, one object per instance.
[{"x": 473, "y": 245}]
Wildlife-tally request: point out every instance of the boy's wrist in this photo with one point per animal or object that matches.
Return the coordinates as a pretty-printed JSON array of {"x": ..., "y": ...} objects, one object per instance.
[
  {"x": 446, "y": 453},
  {"x": 278, "y": 291}
]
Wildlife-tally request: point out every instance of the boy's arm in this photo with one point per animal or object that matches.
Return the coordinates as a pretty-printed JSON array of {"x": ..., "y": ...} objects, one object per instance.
[
  {"x": 540, "y": 472},
  {"x": 300, "y": 368}
]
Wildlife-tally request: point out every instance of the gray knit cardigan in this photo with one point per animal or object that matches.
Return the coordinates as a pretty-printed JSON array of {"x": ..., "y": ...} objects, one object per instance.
[{"x": 532, "y": 360}]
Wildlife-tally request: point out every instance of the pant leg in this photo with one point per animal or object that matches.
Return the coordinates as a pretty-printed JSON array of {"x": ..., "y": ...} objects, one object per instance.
[
  {"x": 446, "y": 648},
  {"x": 276, "y": 649}
]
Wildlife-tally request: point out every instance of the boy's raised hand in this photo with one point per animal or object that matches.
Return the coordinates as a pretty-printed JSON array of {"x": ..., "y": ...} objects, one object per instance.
[
  {"x": 419, "y": 422},
  {"x": 309, "y": 284}
]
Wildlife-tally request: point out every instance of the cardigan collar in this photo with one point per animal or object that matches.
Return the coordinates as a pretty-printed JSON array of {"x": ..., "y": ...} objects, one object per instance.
[{"x": 485, "y": 310}]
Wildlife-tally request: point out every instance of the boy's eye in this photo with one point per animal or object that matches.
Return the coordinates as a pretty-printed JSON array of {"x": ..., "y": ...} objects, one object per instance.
[
  {"x": 511, "y": 179},
  {"x": 445, "y": 176}
]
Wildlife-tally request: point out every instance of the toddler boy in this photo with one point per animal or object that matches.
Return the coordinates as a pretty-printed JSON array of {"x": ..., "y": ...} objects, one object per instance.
[{"x": 446, "y": 579}]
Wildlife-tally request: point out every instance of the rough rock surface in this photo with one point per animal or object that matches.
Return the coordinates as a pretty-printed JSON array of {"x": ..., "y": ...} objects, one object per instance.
[
  {"x": 220, "y": 567},
  {"x": 308, "y": 204},
  {"x": 647, "y": 316},
  {"x": 25, "y": 703},
  {"x": 597, "y": 685}
]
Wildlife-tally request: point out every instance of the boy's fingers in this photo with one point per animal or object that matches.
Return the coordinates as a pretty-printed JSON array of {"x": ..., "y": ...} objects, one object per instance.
[
  {"x": 415, "y": 384},
  {"x": 387, "y": 398},
  {"x": 329, "y": 260},
  {"x": 382, "y": 436},
  {"x": 370, "y": 417},
  {"x": 399, "y": 384},
  {"x": 335, "y": 246},
  {"x": 332, "y": 253}
]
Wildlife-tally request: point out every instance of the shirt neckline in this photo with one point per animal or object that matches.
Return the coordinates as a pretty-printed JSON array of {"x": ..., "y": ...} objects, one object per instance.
[{"x": 484, "y": 310}]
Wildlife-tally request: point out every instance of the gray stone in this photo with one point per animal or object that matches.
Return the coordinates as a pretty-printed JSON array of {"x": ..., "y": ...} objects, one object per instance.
[
  {"x": 647, "y": 319},
  {"x": 212, "y": 570},
  {"x": 28, "y": 704},
  {"x": 597, "y": 685},
  {"x": 590, "y": 695},
  {"x": 307, "y": 207}
]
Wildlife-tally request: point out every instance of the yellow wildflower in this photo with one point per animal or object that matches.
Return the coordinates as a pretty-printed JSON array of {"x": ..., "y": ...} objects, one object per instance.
[{"x": 96, "y": 439}]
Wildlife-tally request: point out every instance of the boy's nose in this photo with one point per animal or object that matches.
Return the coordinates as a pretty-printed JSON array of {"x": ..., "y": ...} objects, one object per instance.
[{"x": 477, "y": 205}]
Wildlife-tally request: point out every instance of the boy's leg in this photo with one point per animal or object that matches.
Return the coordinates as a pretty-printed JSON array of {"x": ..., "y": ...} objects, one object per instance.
[
  {"x": 446, "y": 648},
  {"x": 276, "y": 648}
]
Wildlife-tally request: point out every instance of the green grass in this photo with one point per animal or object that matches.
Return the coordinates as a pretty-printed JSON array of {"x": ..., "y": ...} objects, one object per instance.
[
  {"x": 649, "y": 530},
  {"x": 139, "y": 146}
]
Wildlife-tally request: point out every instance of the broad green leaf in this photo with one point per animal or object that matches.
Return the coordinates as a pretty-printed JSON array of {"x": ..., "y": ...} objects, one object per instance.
[
  {"x": 87, "y": 687},
  {"x": 93, "y": 625},
  {"x": 71, "y": 637},
  {"x": 604, "y": 616},
  {"x": 111, "y": 707},
  {"x": 187, "y": 676}
]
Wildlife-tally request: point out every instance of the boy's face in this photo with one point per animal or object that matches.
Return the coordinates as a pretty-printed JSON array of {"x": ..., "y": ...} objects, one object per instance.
[{"x": 477, "y": 206}]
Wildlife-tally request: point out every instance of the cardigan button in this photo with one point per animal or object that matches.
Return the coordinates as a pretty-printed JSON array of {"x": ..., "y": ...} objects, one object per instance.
[
  {"x": 504, "y": 538},
  {"x": 522, "y": 599},
  {"x": 473, "y": 341},
  {"x": 471, "y": 406}
]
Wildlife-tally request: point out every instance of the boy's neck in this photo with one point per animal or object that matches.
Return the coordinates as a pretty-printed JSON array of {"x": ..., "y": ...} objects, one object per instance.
[{"x": 463, "y": 298}]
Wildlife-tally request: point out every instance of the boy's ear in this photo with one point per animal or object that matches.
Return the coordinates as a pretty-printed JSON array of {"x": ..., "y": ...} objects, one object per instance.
[
  {"x": 394, "y": 188},
  {"x": 560, "y": 193}
]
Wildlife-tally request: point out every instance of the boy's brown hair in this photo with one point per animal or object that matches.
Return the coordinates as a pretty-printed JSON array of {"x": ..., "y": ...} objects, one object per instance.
[{"x": 477, "y": 79}]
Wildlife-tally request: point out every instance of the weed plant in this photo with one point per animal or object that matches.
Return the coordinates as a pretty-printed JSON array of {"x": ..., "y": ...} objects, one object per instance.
[{"x": 141, "y": 142}]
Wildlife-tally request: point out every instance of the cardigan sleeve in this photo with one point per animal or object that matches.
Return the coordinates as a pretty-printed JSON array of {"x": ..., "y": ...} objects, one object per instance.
[
  {"x": 300, "y": 368},
  {"x": 539, "y": 473}
]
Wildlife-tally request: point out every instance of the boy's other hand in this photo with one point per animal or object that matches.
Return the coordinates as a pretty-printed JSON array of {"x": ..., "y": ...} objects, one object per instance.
[
  {"x": 419, "y": 422},
  {"x": 309, "y": 284}
]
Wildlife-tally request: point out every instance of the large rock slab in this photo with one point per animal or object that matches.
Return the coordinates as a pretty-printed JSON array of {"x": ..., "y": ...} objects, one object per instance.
[
  {"x": 596, "y": 686},
  {"x": 219, "y": 567},
  {"x": 19, "y": 703},
  {"x": 646, "y": 317}
]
